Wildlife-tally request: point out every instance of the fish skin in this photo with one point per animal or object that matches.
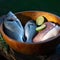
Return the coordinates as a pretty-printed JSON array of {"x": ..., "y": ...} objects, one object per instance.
[
  {"x": 13, "y": 27},
  {"x": 40, "y": 36},
  {"x": 30, "y": 30}
]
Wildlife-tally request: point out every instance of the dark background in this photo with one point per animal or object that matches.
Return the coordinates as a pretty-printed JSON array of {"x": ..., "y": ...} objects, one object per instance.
[{"x": 52, "y": 6}]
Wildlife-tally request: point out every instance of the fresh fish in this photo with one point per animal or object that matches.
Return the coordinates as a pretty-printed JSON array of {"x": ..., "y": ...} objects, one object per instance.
[
  {"x": 51, "y": 30},
  {"x": 13, "y": 27},
  {"x": 30, "y": 30}
]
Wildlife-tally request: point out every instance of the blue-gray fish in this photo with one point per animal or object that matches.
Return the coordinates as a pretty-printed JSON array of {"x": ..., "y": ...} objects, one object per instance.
[
  {"x": 30, "y": 30},
  {"x": 13, "y": 27}
]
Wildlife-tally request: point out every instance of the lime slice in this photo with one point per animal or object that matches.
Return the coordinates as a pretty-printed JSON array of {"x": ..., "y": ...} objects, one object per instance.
[
  {"x": 41, "y": 27},
  {"x": 40, "y": 20}
]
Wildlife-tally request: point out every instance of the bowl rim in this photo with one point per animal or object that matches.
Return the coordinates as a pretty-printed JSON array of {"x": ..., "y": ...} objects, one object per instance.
[
  {"x": 37, "y": 11},
  {"x": 45, "y": 41}
]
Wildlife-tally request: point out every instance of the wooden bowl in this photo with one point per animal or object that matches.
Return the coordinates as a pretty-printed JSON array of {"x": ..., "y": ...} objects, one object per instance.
[{"x": 44, "y": 47}]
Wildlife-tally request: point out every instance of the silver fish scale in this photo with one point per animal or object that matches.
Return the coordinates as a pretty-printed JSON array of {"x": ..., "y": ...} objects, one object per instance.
[
  {"x": 13, "y": 27},
  {"x": 30, "y": 30}
]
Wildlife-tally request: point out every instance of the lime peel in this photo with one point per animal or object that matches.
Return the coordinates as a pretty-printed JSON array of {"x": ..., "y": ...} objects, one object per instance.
[
  {"x": 40, "y": 27},
  {"x": 40, "y": 20}
]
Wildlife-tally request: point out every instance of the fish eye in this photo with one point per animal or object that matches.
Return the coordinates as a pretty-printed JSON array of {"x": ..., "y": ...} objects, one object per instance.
[{"x": 10, "y": 20}]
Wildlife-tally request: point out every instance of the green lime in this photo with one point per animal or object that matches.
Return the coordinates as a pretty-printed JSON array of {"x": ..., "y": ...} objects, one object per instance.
[
  {"x": 40, "y": 27},
  {"x": 40, "y": 20}
]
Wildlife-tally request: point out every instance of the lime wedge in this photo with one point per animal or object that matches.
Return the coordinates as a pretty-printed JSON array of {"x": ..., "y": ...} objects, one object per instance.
[
  {"x": 40, "y": 20},
  {"x": 41, "y": 27}
]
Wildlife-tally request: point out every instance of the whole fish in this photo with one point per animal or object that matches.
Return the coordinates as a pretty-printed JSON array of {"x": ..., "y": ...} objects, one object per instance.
[
  {"x": 30, "y": 31},
  {"x": 51, "y": 31},
  {"x": 13, "y": 27}
]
